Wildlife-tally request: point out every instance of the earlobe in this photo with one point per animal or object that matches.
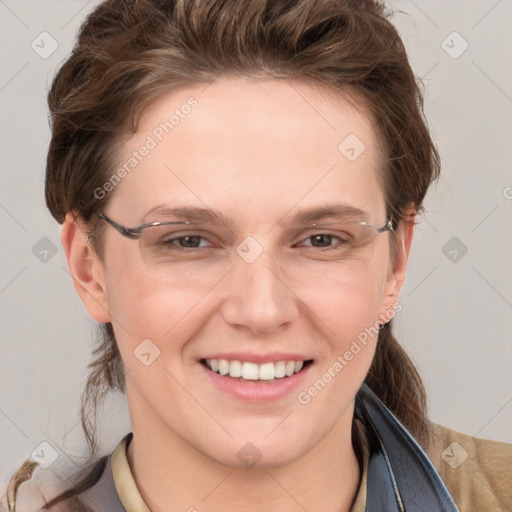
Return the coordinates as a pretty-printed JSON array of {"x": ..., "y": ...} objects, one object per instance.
[{"x": 86, "y": 269}]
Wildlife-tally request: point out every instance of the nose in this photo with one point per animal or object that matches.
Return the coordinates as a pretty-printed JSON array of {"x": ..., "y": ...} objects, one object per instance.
[{"x": 259, "y": 298}]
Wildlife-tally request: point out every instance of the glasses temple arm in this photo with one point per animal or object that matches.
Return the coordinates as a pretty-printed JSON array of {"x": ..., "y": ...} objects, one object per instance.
[{"x": 134, "y": 233}]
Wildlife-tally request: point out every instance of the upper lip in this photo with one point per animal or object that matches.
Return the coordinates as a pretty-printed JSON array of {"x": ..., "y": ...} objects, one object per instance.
[{"x": 258, "y": 358}]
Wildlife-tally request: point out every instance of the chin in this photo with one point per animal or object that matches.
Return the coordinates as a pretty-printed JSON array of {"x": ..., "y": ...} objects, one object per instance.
[{"x": 257, "y": 450}]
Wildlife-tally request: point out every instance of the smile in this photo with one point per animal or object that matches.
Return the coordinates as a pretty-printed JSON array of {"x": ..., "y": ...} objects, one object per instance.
[{"x": 245, "y": 370}]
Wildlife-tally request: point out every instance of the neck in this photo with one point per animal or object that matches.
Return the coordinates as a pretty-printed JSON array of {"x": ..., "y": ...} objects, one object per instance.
[{"x": 172, "y": 475}]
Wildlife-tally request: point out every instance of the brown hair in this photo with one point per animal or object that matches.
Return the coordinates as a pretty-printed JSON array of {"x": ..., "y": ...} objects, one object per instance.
[{"x": 130, "y": 51}]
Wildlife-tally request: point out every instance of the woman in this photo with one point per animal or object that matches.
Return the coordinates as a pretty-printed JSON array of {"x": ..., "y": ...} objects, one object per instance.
[{"x": 237, "y": 184}]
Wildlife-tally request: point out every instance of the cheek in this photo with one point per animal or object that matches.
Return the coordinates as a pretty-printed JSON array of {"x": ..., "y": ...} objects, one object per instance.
[
  {"x": 348, "y": 313},
  {"x": 346, "y": 301},
  {"x": 347, "y": 309},
  {"x": 144, "y": 307}
]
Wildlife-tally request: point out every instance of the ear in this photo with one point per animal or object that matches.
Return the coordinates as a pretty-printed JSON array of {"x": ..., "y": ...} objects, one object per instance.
[
  {"x": 86, "y": 269},
  {"x": 403, "y": 236}
]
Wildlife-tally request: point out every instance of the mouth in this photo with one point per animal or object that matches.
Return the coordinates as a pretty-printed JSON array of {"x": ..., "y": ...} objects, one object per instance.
[{"x": 246, "y": 371}]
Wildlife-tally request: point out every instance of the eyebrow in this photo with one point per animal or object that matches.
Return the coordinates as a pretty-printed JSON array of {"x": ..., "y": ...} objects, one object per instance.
[{"x": 330, "y": 211}]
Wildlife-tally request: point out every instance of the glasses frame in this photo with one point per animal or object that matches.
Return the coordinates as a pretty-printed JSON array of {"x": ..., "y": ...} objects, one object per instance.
[{"x": 136, "y": 232}]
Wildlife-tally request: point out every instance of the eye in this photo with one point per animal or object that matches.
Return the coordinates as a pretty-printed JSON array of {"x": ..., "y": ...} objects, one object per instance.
[
  {"x": 325, "y": 240},
  {"x": 188, "y": 241}
]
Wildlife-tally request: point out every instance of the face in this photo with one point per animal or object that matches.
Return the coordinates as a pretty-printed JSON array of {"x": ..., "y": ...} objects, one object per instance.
[{"x": 254, "y": 291}]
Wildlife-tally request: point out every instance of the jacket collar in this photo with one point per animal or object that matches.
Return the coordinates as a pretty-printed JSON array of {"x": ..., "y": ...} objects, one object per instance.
[{"x": 400, "y": 475}]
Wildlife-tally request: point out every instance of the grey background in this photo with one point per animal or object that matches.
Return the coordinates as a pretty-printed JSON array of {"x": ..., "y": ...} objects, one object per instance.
[{"x": 456, "y": 322}]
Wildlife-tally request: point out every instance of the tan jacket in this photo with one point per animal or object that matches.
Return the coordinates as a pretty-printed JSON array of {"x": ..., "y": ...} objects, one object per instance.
[{"x": 477, "y": 472}]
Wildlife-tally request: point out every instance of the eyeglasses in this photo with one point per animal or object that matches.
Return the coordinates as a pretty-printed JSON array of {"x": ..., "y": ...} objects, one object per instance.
[{"x": 163, "y": 242}]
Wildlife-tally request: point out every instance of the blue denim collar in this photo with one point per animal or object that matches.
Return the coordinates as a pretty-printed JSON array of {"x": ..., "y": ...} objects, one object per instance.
[{"x": 400, "y": 476}]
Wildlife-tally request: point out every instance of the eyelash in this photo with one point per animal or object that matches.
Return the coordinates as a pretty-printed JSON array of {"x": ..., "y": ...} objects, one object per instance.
[{"x": 170, "y": 242}]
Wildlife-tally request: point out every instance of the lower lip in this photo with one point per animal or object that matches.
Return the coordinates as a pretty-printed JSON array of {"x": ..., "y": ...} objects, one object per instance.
[{"x": 257, "y": 391}]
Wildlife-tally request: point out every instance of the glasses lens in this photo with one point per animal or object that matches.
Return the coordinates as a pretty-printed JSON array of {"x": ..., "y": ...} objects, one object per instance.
[
  {"x": 337, "y": 242},
  {"x": 342, "y": 242},
  {"x": 173, "y": 242}
]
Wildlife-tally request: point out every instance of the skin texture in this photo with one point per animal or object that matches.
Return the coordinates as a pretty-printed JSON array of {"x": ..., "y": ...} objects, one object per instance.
[{"x": 257, "y": 150}]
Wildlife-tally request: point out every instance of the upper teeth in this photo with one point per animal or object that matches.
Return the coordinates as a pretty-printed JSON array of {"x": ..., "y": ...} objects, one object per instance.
[{"x": 253, "y": 371}]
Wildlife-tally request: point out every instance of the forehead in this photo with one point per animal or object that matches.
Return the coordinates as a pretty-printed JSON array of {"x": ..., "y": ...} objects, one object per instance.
[{"x": 257, "y": 145}]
